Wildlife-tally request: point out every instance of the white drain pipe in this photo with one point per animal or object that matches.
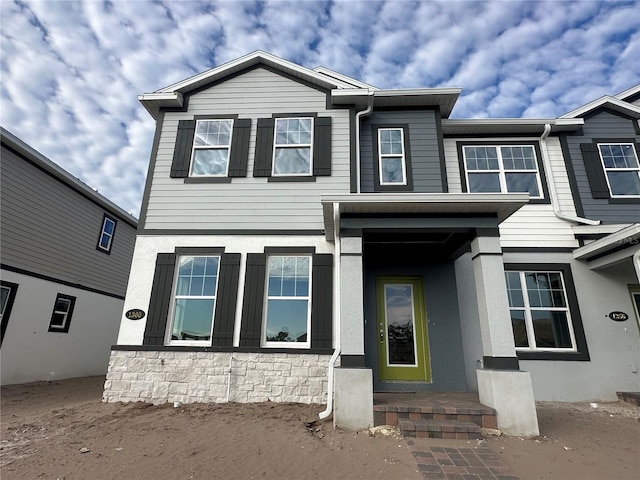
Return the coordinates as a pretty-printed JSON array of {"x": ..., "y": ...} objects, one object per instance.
[
  {"x": 359, "y": 115},
  {"x": 336, "y": 310}
]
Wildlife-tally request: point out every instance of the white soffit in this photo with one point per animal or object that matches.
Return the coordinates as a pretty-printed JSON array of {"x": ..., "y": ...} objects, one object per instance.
[{"x": 445, "y": 98}]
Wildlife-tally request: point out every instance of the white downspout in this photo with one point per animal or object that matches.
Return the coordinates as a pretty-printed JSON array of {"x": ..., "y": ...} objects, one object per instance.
[
  {"x": 359, "y": 115},
  {"x": 552, "y": 185},
  {"x": 336, "y": 310}
]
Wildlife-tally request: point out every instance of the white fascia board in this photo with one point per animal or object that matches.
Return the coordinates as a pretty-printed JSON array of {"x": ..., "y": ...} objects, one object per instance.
[
  {"x": 417, "y": 92},
  {"x": 602, "y": 101},
  {"x": 628, "y": 93},
  {"x": 597, "y": 229},
  {"x": 628, "y": 235},
  {"x": 350, "y": 82},
  {"x": 154, "y": 101}
]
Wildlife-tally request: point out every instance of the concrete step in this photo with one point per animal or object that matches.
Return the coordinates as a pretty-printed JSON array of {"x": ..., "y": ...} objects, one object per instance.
[{"x": 449, "y": 429}]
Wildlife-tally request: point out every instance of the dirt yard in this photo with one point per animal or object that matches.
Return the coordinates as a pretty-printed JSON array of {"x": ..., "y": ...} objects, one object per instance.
[{"x": 61, "y": 430}]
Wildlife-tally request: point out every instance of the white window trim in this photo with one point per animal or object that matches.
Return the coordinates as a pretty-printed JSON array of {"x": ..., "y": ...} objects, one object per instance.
[
  {"x": 172, "y": 310},
  {"x": 528, "y": 321},
  {"x": 211, "y": 147},
  {"x": 276, "y": 145},
  {"x": 104, "y": 232},
  {"x": 270, "y": 344},
  {"x": 392, "y": 155},
  {"x": 501, "y": 169},
  {"x": 614, "y": 169}
]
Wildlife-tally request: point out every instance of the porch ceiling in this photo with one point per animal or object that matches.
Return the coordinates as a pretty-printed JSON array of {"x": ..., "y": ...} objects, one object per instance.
[{"x": 501, "y": 205}]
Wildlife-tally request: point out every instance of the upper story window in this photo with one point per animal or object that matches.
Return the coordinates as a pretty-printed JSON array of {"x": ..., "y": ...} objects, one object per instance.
[
  {"x": 62, "y": 312},
  {"x": 620, "y": 162},
  {"x": 502, "y": 169},
  {"x": 293, "y": 153},
  {"x": 194, "y": 300},
  {"x": 391, "y": 157},
  {"x": 211, "y": 147},
  {"x": 288, "y": 301},
  {"x": 106, "y": 234}
]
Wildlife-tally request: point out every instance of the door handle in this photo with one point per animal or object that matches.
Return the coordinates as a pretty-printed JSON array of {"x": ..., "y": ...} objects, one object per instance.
[{"x": 381, "y": 335}]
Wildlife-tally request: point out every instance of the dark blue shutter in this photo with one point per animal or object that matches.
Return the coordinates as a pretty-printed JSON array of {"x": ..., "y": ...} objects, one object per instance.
[
  {"x": 322, "y": 146},
  {"x": 595, "y": 171},
  {"x": 239, "y": 155},
  {"x": 182, "y": 149},
  {"x": 264, "y": 147},
  {"x": 322, "y": 301},
  {"x": 160, "y": 299},
  {"x": 252, "y": 308},
  {"x": 225, "y": 315}
]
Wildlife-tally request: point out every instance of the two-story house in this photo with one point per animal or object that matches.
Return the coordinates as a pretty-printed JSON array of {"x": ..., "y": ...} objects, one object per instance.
[
  {"x": 308, "y": 237},
  {"x": 65, "y": 258}
]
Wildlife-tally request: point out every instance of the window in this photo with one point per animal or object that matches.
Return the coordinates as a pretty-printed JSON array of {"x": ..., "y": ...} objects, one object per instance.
[
  {"x": 292, "y": 147},
  {"x": 194, "y": 299},
  {"x": 620, "y": 162},
  {"x": 506, "y": 169},
  {"x": 211, "y": 146},
  {"x": 288, "y": 301},
  {"x": 391, "y": 161},
  {"x": 8, "y": 292},
  {"x": 62, "y": 312},
  {"x": 106, "y": 234}
]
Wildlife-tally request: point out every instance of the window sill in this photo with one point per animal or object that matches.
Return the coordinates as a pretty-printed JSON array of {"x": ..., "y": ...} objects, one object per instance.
[
  {"x": 305, "y": 178},
  {"x": 559, "y": 356},
  {"x": 622, "y": 200},
  {"x": 207, "y": 180}
]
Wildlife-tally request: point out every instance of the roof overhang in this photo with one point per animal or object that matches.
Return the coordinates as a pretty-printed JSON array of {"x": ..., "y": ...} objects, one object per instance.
[
  {"x": 628, "y": 93},
  {"x": 444, "y": 98},
  {"x": 501, "y": 206},
  {"x": 608, "y": 102},
  {"x": 524, "y": 126},
  {"x": 612, "y": 249}
]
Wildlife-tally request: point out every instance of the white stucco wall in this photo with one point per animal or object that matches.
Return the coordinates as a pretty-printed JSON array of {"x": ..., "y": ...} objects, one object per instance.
[{"x": 31, "y": 353}]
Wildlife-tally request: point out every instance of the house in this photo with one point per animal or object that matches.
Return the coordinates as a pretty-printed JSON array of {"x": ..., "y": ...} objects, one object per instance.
[
  {"x": 65, "y": 257},
  {"x": 308, "y": 237}
]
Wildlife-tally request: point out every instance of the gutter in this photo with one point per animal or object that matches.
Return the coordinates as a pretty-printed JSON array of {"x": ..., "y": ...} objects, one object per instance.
[
  {"x": 359, "y": 115},
  {"x": 552, "y": 185},
  {"x": 336, "y": 310}
]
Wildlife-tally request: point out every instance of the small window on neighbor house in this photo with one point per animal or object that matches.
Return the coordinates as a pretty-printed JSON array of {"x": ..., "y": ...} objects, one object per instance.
[
  {"x": 211, "y": 146},
  {"x": 293, "y": 147},
  {"x": 288, "y": 301},
  {"x": 194, "y": 300},
  {"x": 62, "y": 312},
  {"x": 391, "y": 161},
  {"x": 106, "y": 234},
  {"x": 8, "y": 292},
  {"x": 502, "y": 169},
  {"x": 620, "y": 162}
]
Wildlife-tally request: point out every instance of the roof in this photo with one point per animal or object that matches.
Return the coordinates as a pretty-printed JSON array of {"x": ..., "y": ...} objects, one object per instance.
[
  {"x": 42, "y": 162},
  {"x": 626, "y": 239},
  {"x": 606, "y": 101}
]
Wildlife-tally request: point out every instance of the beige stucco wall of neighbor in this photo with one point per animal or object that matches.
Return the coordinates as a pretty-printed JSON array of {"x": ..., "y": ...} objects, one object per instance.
[
  {"x": 31, "y": 353},
  {"x": 215, "y": 377}
]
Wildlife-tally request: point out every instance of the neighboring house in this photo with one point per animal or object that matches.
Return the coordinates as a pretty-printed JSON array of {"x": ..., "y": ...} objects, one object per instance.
[
  {"x": 307, "y": 237},
  {"x": 65, "y": 255}
]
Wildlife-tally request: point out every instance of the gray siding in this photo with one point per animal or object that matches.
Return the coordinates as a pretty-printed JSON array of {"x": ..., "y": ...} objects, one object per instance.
[
  {"x": 50, "y": 229},
  {"x": 247, "y": 203},
  {"x": 423, "y": 142},
  {"x": 603, "y": 124}
]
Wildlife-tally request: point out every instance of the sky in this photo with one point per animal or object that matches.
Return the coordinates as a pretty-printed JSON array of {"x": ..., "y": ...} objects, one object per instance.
[{"x": 71, "y": 71}]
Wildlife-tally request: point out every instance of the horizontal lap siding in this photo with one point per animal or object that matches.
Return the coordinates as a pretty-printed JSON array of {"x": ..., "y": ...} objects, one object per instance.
[
  {"x": 48, "y": 228},
  {"x": 249, "y": 202},
  {"x": 534, "y": 225}
]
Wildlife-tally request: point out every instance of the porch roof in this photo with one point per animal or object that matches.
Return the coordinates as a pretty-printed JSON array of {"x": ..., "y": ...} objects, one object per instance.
[
  {"x": 612, "y": 249},
  {"x": 502, "y": 205}
]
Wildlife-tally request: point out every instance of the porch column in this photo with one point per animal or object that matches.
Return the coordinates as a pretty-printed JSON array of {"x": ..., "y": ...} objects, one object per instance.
[
  {"x": 353, "y": 383},
  {"x": 501, "y": 383}
]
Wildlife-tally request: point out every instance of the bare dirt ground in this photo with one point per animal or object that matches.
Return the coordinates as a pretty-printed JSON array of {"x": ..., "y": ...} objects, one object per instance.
[{"x": 61, "y": 430}]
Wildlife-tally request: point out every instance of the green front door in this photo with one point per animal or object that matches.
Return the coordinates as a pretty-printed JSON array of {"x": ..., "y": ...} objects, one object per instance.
[{"x": 403, "y": 346}]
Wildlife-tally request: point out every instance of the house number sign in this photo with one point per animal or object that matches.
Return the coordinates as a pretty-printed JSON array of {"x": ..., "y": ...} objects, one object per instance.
[
  {"x": 134, "y": 314},
  {"x": 618, "y": 316}
]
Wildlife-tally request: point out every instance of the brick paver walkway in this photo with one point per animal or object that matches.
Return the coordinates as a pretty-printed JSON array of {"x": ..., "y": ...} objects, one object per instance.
[{"x": 447, "y": 463}]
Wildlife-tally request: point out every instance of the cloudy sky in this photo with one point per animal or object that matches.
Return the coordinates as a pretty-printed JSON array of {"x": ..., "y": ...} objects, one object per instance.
[{"x": 71, "y": 71}]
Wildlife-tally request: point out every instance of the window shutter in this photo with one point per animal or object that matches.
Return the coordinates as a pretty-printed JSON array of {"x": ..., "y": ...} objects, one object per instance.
[
  {"x": 322, "y": 146},
  {"x": 225, "y": 315},
  {"x": 182, "y": 149},
  {"x": 595, "y": 171},
  {"x": 264, "y": 147},
  {"x": 239, "y": 155},
  {"x": 322, "y": 301},
  {"x": 251, "y": 325},
  {"x": 160, "y": 297}
]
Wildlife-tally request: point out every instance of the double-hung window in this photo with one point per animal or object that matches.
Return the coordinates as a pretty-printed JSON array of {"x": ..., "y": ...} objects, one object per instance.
[
  {"x": 62, "y": 312},
  {"x": 194, "y": 300},
  {"x": 211, "y": 146},
  {"x": 391, "y": 162},
  {"x": 106, "y": 234},
  {"x": 288, "y": 301},
  {"x": 540, "y": 314},
  {"x": 293, "y": 152},
  {"x": 502, "y": 168},
  {"x": 620, "y": 162}
]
